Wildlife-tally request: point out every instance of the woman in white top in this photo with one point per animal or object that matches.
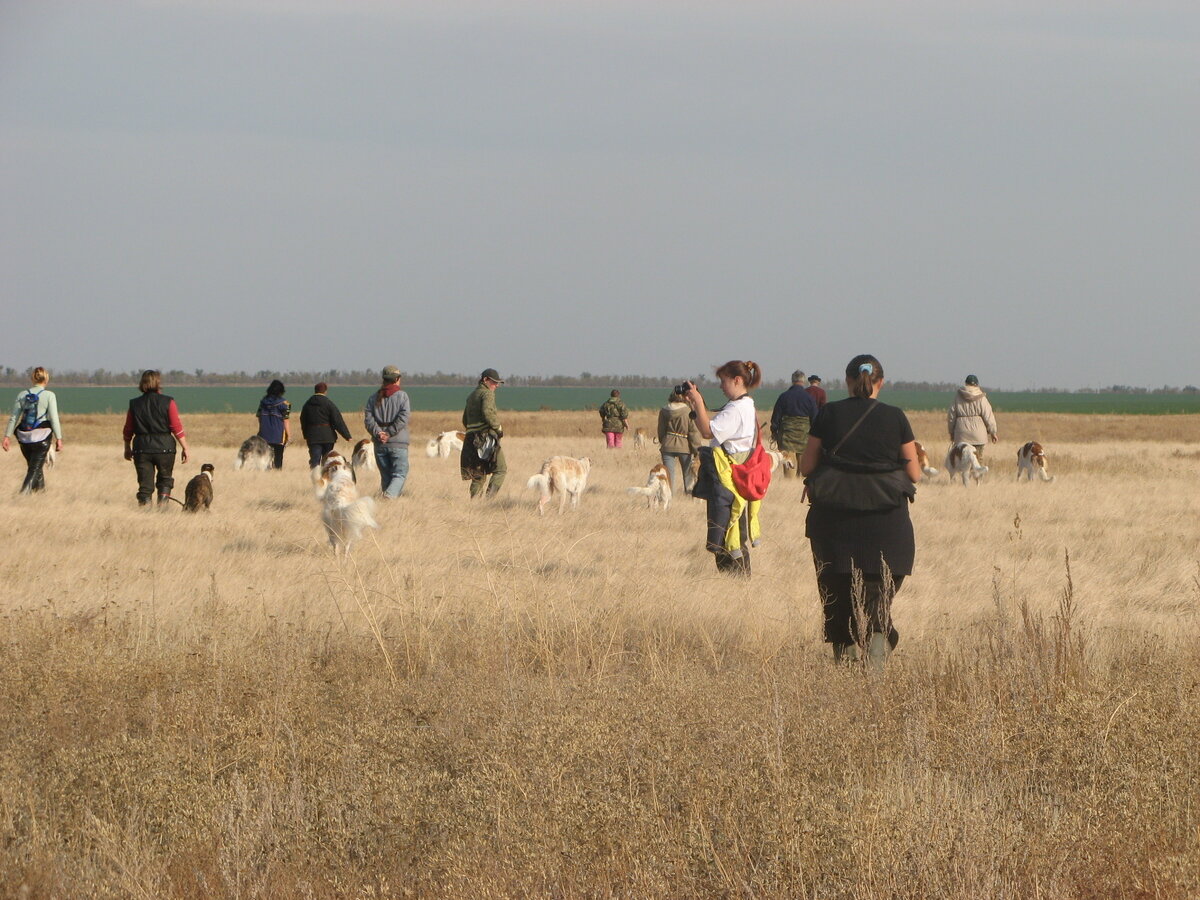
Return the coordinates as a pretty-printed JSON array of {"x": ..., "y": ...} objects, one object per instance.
[
  {"x": 34, "y": 421},
  {"x": 732, "y": 432}
]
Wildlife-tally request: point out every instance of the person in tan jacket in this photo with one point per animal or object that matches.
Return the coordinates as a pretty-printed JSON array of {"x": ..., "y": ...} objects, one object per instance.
[
  {"x": 678, "y": 439},
  {"x": 969, "y": 419}
]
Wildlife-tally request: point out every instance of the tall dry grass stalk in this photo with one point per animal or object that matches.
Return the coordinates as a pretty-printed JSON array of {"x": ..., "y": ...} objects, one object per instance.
[{"x": 485, "y": 703}]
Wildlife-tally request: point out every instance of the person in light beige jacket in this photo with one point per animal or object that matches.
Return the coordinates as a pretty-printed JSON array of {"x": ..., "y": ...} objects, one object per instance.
[{"x": 970, "y": 419}]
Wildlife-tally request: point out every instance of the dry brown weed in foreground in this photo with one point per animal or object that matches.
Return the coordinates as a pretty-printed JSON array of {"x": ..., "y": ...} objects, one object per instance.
[{"x": 577, "y": 706}]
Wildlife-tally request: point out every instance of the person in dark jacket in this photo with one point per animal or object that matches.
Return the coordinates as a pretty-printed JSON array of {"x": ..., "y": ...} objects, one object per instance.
[
  {"x": 791, "y": 419},
  {"x": 273, "y": 413},
  {"x": 320, "y": 423},
  {"x": 861, "y": 558},
  {"x": 152, "y": 428}
]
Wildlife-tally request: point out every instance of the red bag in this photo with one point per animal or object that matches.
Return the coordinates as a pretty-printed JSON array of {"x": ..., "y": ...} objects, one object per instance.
[{"x": 752, "y": 478}]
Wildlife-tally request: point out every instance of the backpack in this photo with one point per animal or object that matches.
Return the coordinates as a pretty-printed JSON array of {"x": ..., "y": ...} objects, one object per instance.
[{"x": 29, "y": 411}]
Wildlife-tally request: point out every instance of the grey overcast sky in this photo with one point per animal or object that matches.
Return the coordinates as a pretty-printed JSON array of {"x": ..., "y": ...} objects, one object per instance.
[{"x": 1005, "y": 188}]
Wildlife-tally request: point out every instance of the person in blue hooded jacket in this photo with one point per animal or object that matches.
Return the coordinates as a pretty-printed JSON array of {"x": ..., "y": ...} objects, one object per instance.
[{"x": 273, "y": 413}]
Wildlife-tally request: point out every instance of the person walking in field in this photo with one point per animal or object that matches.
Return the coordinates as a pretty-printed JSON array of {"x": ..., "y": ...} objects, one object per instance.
[
  {"x": 970, "y": 419},
  {"x": 733, "y": 526},
  {"x": 386, "y": 418},
  {"x": 34, "y": 423},
  {"x": 614, "y": 420},
  {"x": 791, "y": 420},
  {"x": 678, "y": 440},
  {"x": 320, "y": 423},
  {"x": 273, "y": 413},
  {"x": 817, "y": 392},
  {"x": 152, "y": 429},
  {"x": 862, "y": 555},
  {"x": 481, "y": 460}
]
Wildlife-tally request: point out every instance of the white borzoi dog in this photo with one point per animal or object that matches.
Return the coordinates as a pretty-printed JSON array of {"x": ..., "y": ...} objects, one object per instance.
[
  {"x": 363, "y": 456},
  {"x": 444, "y": 444},
  {"x": 1032, "y": 458},
  {"x": 563, "y": 475},
  {"x": 923, "y": 461},
  {"x": 255, "y": 453},
  {"x": 961, "y": 462},
  {"x": 343, "y": 512},
  {"x": 657, "y": 490}
]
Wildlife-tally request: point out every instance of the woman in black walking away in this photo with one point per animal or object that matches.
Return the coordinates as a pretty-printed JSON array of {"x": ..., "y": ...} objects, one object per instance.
[{"x": 862, "y": 556}]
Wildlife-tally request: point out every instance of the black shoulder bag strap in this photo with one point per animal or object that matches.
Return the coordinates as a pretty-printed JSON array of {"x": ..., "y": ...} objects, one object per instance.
[{"x": 846, "y": 436}]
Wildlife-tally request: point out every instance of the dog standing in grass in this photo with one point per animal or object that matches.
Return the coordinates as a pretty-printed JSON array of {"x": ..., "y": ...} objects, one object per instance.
[
  {"x": 657, "y": 490},
  {"x": 343, "y": 512},
  {"x": 562, "y": 475}
]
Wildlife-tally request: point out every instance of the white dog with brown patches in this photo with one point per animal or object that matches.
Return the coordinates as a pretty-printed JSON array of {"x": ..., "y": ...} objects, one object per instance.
[
  {"x": 657, "y": 490},
  {"x": 563, "y": 475},
  {"x": 444, "y": 444},
  {"x": 923, "y": 460},
  {"x": 962, "y": 462},
  {"x": 343, "y": 512},
  {"x": 1032, "y": 458},
  {"x": 363, "y": 456}
]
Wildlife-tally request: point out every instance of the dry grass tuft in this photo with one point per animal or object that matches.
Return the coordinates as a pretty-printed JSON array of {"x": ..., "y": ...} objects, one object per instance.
[{"x": 485, "y": 703}]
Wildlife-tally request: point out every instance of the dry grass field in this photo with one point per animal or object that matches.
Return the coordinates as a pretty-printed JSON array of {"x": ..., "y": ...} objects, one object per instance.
[{"x": 483, "y": 703}]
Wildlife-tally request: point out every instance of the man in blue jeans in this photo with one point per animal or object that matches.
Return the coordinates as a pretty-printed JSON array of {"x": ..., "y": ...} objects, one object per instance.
[{"x": 386, "y": 419}]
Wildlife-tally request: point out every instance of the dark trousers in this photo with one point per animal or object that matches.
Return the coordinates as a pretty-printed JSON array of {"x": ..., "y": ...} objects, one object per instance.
[
  {"x": 35, "y": 461},
  {"x": 315, "y": 452},
  {"x": 844, "y": 612},
  {"x": 278, "y": 451},
  {"x": 154, "y": 471}
]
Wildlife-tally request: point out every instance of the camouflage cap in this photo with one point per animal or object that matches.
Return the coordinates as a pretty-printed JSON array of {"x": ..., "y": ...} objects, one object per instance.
[{"x": 390, "y": 373}]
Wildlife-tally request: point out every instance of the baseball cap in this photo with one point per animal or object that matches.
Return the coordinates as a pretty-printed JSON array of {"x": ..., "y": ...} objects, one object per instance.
[
  {"x": 390, "y": 373},
  {"x": 971, "y": 379},
  {"x": 492, "y": 375}
]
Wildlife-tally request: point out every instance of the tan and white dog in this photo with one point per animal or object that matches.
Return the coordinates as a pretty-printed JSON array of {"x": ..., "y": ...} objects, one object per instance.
[
  {"x": 343, "y": 512},
  {"x": 363, "y": 456},
  {"x": 657, "y": 490},
  {"x": 641, "y": 440},
  {"x": 961, "y": 462},
  {"x": 444, "y": 444},
  {"x": 563, "y": 475},
  {"x": 923, "y": 461},
  {"x": 778, "y": 458},
  {"x": 1032, "y": 458}
]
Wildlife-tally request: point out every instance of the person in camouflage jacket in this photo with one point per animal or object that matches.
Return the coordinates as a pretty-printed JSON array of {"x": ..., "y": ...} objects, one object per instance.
[
  {"x": 481, "y": 422},
  {"x": 614, "y": 420}
]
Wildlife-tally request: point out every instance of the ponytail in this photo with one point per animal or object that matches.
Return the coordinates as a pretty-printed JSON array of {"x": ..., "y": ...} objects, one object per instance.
[
  {"x": 747, "y": 370},
  {"x": 862, "y": 374}
]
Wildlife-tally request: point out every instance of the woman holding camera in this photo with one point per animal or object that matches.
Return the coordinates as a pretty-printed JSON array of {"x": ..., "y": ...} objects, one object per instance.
[
  {"x": 868, "y": 439},
  {"x": 733, "y": 526}
]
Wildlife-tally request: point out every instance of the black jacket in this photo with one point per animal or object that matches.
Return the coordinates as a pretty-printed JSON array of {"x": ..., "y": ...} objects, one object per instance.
[{"x": 319, "y": 419}]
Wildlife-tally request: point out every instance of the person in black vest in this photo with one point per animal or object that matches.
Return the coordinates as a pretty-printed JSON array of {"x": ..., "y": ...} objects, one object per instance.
[
  {"x": 152, "y": 427},
  {"x": 321, "y": 422}
]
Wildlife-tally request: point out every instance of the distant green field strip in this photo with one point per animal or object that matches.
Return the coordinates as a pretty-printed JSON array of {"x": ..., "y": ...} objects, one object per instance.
[{"x": 81, "y": 400}]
